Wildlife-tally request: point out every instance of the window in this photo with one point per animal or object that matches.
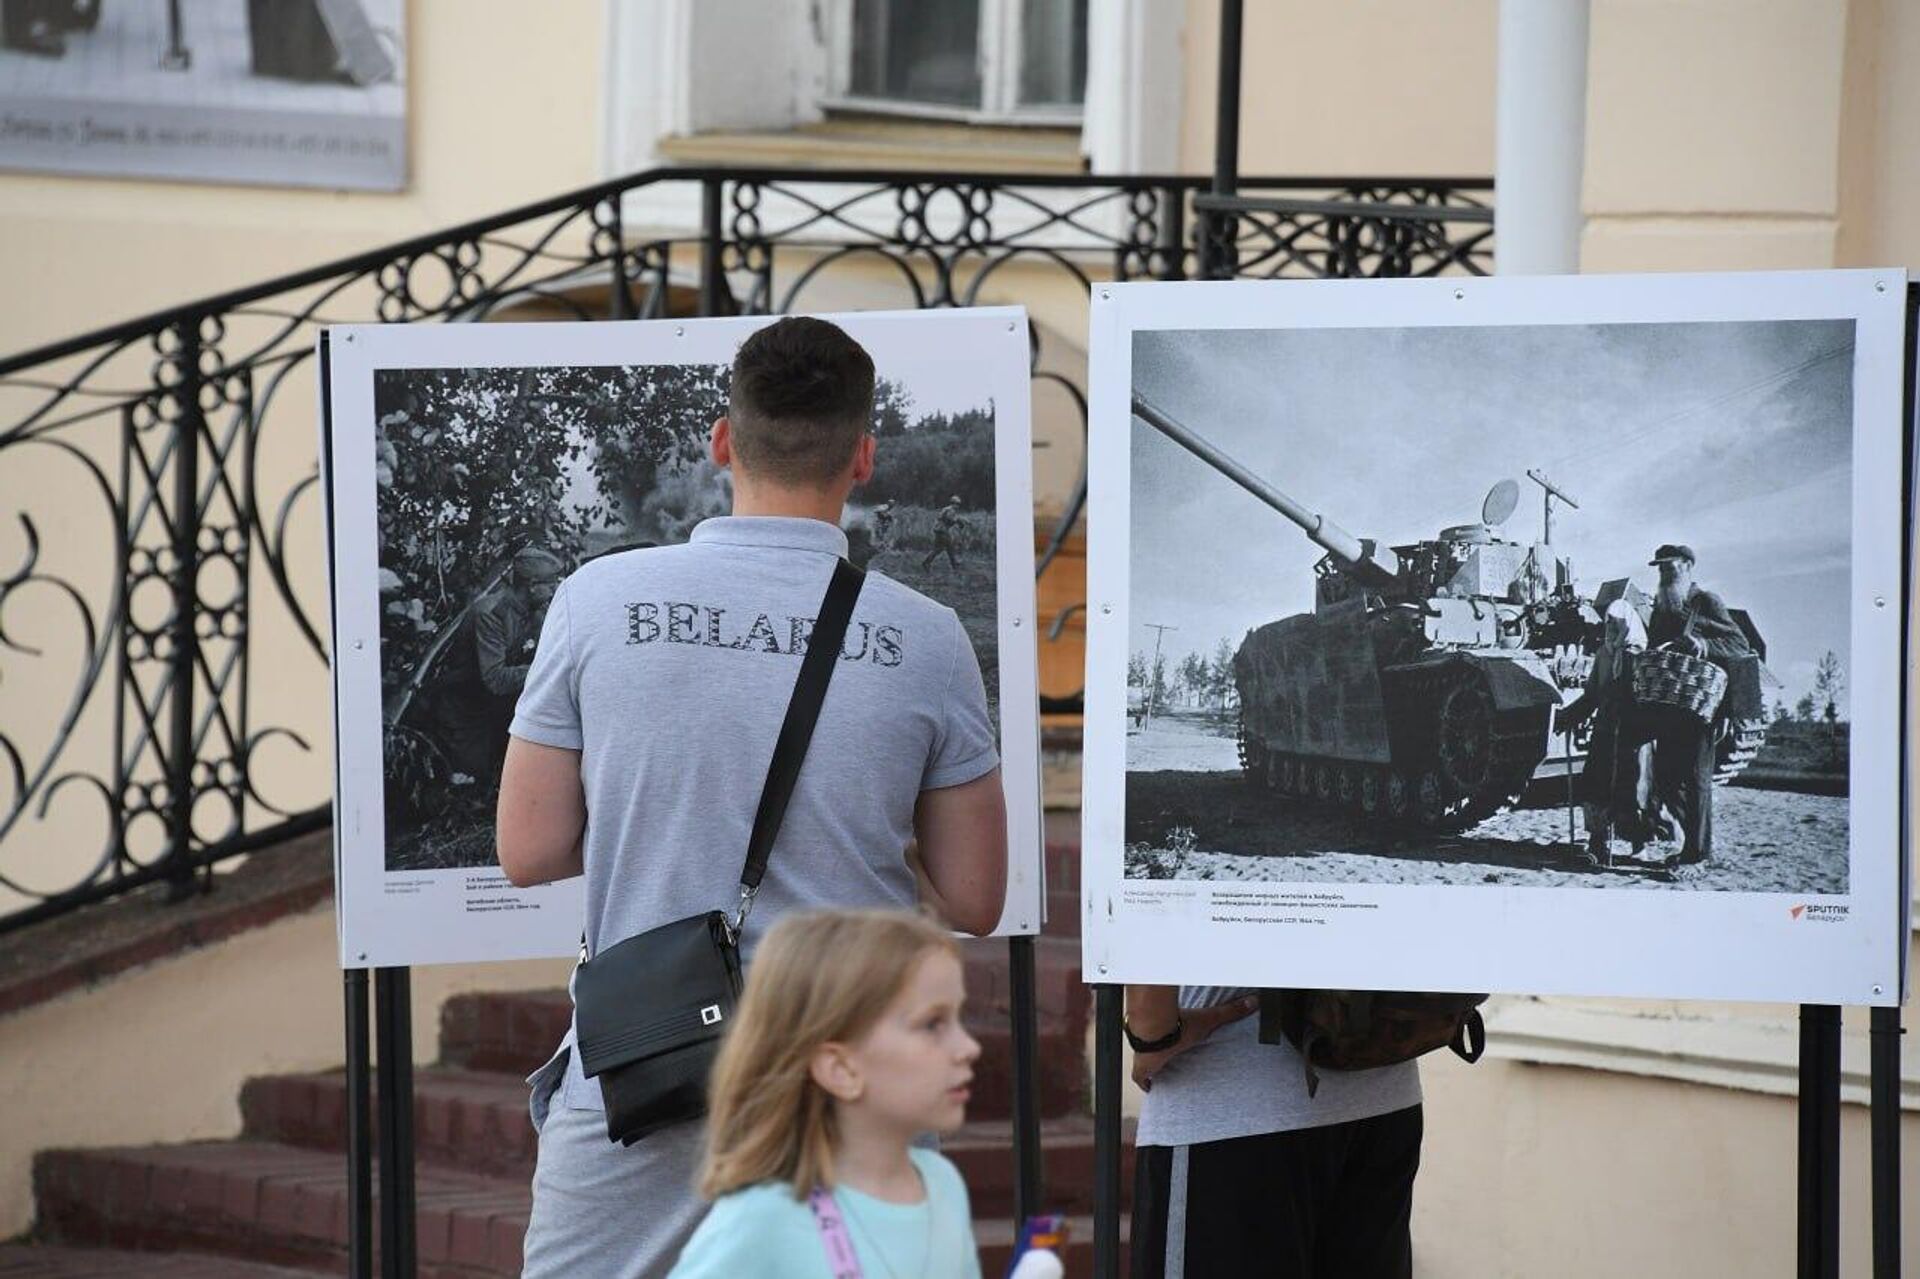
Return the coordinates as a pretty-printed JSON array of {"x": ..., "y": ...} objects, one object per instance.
[{"x": 1016, "y": 61}]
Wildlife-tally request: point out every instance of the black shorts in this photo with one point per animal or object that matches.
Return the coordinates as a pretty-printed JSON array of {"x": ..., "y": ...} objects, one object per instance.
[{"x": 1318, "y": 1203}]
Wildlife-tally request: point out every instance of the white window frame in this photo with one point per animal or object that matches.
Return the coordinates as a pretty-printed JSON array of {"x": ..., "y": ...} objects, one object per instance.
[
  {"x": 1001, "y": 44},
  {"x": 652, "y": 88}
]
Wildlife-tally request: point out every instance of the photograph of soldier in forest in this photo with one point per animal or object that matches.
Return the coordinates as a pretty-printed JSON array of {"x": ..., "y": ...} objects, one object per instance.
[
  {"x": 1552, "y": 606},
  {"x": 495, "y": 483}
]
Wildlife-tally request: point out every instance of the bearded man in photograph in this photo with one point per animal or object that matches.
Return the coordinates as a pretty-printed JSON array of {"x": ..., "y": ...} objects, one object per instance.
[{"x": 1694, "y": 620}]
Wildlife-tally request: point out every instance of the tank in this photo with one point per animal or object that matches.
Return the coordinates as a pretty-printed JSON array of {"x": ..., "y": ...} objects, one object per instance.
[{"x": 1426, "y": 683}]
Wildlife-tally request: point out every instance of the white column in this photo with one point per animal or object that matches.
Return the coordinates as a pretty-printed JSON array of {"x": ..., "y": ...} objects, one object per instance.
[{"x": 1541, "y": 136}]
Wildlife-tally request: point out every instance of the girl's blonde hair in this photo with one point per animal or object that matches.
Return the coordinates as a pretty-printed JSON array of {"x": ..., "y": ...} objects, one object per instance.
[{"x": 817, "y": 978}]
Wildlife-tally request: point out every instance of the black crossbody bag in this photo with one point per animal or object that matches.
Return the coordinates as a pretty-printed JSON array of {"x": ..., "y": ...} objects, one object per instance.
[{"x": 649, "y": 1011}]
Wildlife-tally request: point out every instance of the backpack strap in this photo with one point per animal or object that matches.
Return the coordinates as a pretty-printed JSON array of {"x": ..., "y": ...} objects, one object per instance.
[{"x": 1470, "y": 1037}]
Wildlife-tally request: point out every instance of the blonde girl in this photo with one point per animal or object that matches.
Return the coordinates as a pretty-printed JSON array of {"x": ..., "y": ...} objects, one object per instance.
[{"x": 848, "y": 1045}]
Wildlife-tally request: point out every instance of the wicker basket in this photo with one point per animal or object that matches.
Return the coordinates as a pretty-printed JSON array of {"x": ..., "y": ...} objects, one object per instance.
[{"x": 1664, "y": 677}]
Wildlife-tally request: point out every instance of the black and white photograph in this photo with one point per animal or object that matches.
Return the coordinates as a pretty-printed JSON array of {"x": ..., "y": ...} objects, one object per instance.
[
  {"x": 270, "y": 92},
  {"x": 1585, "y": 626},
  {"x": 495, "y": 483},
  {"x": 473, "y": 468},
  {"x": 1521, "y": 606}
]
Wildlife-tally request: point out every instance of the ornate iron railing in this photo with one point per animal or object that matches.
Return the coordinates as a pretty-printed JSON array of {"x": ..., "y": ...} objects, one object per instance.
[{"x": 160, "y": 639}]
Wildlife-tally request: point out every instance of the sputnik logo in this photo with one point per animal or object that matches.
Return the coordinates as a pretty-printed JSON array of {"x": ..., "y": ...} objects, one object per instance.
[{"x": 1795, "y": 912}]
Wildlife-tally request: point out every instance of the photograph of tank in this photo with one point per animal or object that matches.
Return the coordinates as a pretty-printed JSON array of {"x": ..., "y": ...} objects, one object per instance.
[
  {"x": 1530, "y": 605},
  {"x": 494, "y": 483}
]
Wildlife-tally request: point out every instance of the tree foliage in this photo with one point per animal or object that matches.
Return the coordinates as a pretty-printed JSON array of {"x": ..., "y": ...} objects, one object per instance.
[
  {"x": 473, "y": 464},
  {"x": 943, "y": 455}
]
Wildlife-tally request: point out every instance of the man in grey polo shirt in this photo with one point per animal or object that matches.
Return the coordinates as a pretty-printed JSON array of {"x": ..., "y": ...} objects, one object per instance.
[{"x": 641, "y": 742}]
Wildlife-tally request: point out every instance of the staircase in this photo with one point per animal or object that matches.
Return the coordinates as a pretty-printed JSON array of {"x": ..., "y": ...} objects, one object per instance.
[{"x": 273, "y": 1201}]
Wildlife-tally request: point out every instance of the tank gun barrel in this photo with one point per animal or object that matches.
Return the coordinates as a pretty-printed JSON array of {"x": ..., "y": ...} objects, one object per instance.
[{"x": 1363, "y": 556}]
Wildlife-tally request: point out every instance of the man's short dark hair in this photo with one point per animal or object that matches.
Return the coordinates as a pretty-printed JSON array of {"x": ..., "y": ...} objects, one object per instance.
[{"x": 801, "y": 397}]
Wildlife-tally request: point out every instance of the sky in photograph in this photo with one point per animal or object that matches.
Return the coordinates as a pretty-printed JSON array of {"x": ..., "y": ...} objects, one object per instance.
[
  {"x": 937, "y": 382},
  {"x": 1735, "y": 438}
]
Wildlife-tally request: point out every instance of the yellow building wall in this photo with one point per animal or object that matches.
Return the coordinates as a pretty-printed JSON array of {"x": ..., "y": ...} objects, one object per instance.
[
  {"x": 1396, "y": 87},
  {"x": 503, "y": 102}
]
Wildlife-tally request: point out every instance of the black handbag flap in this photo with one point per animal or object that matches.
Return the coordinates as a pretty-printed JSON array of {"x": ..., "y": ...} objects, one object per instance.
[{"x": 667, "y": 988}]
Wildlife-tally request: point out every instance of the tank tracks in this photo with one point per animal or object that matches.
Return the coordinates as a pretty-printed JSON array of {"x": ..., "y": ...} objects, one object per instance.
[{"x": 1478, "y": 762}]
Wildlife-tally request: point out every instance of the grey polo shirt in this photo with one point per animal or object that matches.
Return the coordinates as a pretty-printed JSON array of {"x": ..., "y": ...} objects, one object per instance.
[{"x": 669, "y": 670}]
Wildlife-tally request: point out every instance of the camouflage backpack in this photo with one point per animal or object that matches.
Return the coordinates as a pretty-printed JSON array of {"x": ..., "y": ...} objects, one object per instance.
[{"x": 1362, "y": 1029}]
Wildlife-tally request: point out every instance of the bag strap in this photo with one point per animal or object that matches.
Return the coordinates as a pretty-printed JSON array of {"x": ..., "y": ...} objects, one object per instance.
[
  {"x": 796, "y": 731},
  {"x": 1470, "y": 1037},
  {"x": 842, "y": 1260}
]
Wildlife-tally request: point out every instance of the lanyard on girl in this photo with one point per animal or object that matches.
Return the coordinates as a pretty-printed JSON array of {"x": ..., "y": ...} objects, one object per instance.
[{"x": 841, "y": 1258}]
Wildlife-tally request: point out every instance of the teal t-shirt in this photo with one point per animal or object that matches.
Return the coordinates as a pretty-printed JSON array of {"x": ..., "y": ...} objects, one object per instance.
[{"x": 763, "y": 1232}]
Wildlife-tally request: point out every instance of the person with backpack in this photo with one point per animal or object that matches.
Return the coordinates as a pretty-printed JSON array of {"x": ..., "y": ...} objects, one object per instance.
[
  {"x": 1247, "y": 1163},
  {"x": 645, "y": 731}
]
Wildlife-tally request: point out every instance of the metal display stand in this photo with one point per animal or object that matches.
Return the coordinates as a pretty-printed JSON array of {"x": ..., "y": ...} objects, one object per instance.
[
  {"x": 1819, "y": 1067},
  {"x": 389, "y": 1084}
]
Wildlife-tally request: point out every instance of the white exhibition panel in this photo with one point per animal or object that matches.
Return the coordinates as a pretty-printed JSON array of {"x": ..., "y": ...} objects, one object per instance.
[
  {"x": 466, "y": 914},
  {"x": 1631, "y": 936}
]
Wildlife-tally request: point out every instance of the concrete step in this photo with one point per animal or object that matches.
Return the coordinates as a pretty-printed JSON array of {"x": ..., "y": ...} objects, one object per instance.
[
  {"x": 264, "y": 1202},
  {"x": 268, "y": 1205},
  {"x": 30, "y": 1261},
  {"x": 513, "y": 1032}
]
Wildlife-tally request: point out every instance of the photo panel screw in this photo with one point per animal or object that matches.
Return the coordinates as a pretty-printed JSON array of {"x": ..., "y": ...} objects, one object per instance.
[
  {"x": 1459, "y": 295},
  {"x": 679, "y": 330}
]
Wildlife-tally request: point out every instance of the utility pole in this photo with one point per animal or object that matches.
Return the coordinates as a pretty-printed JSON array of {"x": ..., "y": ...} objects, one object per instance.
[{"x": 1153, "y": 676}]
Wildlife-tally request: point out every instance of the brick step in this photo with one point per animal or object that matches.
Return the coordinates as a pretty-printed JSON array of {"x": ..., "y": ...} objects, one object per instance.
[
  {"x": 983, "y": 1151},
  {"x": 477, "y": 1121},
  {"x": 1063, "y": 915},
  {"x": 513, "y": 1032},
  {"x": 1057, "y": 988},
  {"x": 27, "y": 1261},
  {"x": 473, "y": 1120},
  {"x": 1062, "y": 857},
  {"x": 265, "y": 1203}
]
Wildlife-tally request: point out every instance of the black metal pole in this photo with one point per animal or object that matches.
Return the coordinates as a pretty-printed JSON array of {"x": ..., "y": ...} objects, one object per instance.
[
  {"x": 394, "y": 1031},
  {"x": 1173, "y": 235},
  {"x": 1028, "y": 1190},
  {"x": 1216, "y": 226},
  {"x": 713, "y": 282},
  {"x": 1819, "y": 1141},
  {"x": 184, "y": 548},
  {"x": 1885, "y": 1041},
  {"x": 359, "y": 1130},
  {"x": 1106, "y": 1131}
]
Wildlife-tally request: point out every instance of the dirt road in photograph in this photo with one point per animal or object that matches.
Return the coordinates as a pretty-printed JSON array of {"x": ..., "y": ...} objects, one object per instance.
[{"x": 1191, "y": 815}]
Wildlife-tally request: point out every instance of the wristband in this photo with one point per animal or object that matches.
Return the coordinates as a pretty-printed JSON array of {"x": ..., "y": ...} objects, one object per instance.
[{"x": 1161, "y": 1044}]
